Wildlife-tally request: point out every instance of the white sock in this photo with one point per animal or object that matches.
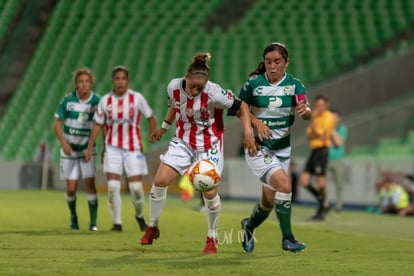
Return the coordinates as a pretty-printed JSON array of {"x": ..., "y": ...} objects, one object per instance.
[
  {"x": 157, "y": 196},
  {"x": 70, "y": 198},
  {"x": 137, "y": 196},
  {"x": 213, "y": 207},
  {"x": 114, "y": 200},
  {"x": 92, "y": 197}
]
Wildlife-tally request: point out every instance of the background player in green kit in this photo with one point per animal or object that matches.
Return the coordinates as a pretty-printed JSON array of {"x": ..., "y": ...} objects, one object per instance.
[
  {"x": 73, "y": 126},
  {"x": 273, "y": 96}
]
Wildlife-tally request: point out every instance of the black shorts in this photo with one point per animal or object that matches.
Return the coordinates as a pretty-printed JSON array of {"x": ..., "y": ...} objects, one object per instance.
[{"x": 317, "y": 162}]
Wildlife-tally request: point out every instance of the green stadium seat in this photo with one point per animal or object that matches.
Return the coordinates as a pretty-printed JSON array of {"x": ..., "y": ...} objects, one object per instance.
[{"x": 157, "y": 42}]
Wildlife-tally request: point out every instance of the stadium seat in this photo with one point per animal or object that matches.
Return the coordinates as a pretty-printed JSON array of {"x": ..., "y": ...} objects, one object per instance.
[{"x": 156, "y": 40}]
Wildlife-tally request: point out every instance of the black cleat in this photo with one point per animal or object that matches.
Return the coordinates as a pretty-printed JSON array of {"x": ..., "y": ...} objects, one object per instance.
[
  {"x": 117, "y": 228},
  {"x": 142, "y": 224}
]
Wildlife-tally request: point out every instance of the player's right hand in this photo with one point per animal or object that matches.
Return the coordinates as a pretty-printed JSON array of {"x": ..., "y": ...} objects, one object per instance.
[
  {"x": 263, "y": 131},
  {"x": 67, "y": 149},
  {"x": 88, "y": 154}
]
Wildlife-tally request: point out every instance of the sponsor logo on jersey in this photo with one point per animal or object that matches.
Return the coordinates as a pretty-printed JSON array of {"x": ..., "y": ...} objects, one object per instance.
[
  {"x": 83, "y": 117},
  {"x": 275, "y": 123},
  {"x": 71, "y": 106},
  {"x": 259, "y": 90},
  {"x": 121, "y": 121},
  {"x": 79, "y": 132}
]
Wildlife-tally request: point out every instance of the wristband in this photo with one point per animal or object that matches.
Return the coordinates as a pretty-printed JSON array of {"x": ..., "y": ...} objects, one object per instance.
[{"x": 165, "y": 125}]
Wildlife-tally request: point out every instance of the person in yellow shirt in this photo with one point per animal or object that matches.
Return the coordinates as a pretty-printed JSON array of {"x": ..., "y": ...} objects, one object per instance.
[{"x": 319, "y": 135}]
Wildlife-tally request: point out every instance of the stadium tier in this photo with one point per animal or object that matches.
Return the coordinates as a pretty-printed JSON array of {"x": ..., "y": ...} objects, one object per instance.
[
  {"x": 156, "y": 40},
  {"x": 7, "y": 12}
]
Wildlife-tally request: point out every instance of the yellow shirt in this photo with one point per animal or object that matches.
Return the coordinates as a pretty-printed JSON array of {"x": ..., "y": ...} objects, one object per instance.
[{"x": 324, "y": 126}]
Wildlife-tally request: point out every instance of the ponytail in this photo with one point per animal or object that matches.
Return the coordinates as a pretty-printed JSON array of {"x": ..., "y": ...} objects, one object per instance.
[{"x": 199, "y": 65}]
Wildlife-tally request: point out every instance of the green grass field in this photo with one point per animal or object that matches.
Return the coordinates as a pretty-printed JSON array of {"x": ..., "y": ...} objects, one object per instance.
[{"x": 35, "y": 240}]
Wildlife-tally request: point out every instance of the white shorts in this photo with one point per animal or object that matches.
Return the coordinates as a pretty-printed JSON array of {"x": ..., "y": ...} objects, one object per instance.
[
  {"x": 181, "y": 156},
  {"x": 73, "y": 167},
  {"x": 116, "y": 159},
  {"x": 267, "y": 162}
]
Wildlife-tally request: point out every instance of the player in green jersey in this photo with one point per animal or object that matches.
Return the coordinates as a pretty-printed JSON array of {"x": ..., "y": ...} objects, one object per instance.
[
  {"x": 274, "y": 97},
  {"x": 73, "y": 126}
]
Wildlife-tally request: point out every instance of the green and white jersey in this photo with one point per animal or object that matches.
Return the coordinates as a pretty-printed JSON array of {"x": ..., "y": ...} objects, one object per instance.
[
  {"x": 77, "y": 117},
  {"x": 274, "y": 105}
]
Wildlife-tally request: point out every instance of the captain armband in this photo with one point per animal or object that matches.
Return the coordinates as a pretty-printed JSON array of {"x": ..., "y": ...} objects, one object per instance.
[{"x": 232, "y": 111}]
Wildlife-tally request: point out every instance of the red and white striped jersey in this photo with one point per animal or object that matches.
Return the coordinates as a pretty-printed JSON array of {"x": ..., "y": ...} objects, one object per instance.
[
  {"x": 121, "y": 116},
  {"x": 199, "y": 119}
]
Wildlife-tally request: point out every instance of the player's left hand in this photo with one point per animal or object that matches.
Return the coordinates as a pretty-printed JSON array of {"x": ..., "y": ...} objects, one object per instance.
[
  {"x": 250, "y": 144},
  {"x": 304, "y": 110}
]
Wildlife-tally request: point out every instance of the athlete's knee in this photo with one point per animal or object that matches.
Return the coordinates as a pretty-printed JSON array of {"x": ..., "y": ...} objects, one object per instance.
[
  {"x": 135, "y": 186},
  {"x": 213, "y": 204},
  {"x": 90, "y": 185},
  {"x": 266, "y": 203},
  {"x": 210, "y": 194},
  {"x": 114, "y": 186},
  {"x": 158, "y": 193},
  {"x": 305, "y": 179},
  {"x": 284, "y": 184}
]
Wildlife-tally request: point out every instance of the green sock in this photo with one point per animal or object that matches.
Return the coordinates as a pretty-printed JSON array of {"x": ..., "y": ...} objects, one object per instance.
[
  {"x": 93, "y": 208},
  {"x": 71, "y": 200},
  {"x": 283, "y": 207},
  {"x": 258, "y": 215}
]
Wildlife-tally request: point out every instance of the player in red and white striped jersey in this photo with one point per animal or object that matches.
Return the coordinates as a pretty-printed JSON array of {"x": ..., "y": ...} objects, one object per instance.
[
  {"x": 120, "y": 113},
  {"x": 197, "y": 105}
]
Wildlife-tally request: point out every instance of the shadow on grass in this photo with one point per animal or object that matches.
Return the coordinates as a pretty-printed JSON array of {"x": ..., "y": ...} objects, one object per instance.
[{"x": 181, "y": 259}]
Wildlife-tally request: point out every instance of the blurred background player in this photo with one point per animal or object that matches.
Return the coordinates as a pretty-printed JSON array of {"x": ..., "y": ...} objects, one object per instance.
[
  {"x": 272, "y": 120},
  {"x": 119, "y": 112},
  {"x": 336, "y": 154},
  {"x": 319, "y": 135},
  {"x": 197, "y": 104},
  {"x": 75, "y": 115}
]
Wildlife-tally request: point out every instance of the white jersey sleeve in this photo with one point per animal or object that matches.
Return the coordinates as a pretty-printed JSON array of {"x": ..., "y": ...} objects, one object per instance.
[
  {"x": 99, "y": 116},
  {"x": 143, "y": 106},
  {"x": 220, "y": 97}
]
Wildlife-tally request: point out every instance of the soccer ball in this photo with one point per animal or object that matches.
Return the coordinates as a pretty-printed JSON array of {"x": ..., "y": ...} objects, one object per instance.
[{"x": 204, "y": 175}]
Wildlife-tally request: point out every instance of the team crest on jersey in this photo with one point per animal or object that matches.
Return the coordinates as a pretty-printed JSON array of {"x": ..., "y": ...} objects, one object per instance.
[
  {"x": 229, "y": 95},
  {"x": 288, "y": 90},
  {"x": 189, "y": 112},
  {"x": 131, "y": 110},
  {"x": 204, "y": 114},
  {"x": 267, "y": 159}
]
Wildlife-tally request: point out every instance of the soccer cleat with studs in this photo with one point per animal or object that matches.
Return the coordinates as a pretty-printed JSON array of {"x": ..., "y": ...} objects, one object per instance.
[
  {"x": 74, "y": 222},
  {"x": 211, "y": 246},
  {"x": 116, "y": 228},
  {"x": 141, "y": 222},
  {"x": 93, "y": 227},
  {"x": 248, "y": 238},
  {"x": 292, "y": 245},
  {"x": 151, "y": 233}
]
